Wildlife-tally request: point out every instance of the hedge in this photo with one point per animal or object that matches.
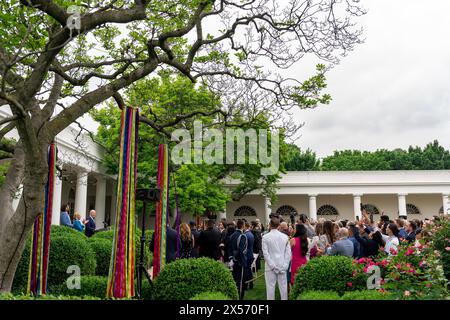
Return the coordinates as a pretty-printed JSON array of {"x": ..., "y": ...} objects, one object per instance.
[
  {"x": 10, "y": 296},
  {"x": 319, "y": 295},
  {"x": 210, "y": 296},
  {"x": 350, "y": 295},
  {"x": 184, "y": 278},
  {"x": 366, "y": 295},
  {"x": 94, "y": 286},
  {"x": 326, "y": 273},
  {"x": 102, "y": 249},
  {"x": 66, "y": 249},
  {"x": 63, "y": 230}
]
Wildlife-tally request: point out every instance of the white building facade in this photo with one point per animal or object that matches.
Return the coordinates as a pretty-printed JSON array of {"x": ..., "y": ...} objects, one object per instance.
[{"x": 340, "y": 194}]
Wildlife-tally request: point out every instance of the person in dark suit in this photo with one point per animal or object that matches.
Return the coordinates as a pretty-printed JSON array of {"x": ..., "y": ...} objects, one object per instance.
[
  {"x": 90, "y": 225},
  {"x": 171, "y": 244},
  {"x": 196, "y": 233},
  {"x": 257, "y": 246},
  {"x": 209, "y": 242},
  {"x": 239, "y": 246}
]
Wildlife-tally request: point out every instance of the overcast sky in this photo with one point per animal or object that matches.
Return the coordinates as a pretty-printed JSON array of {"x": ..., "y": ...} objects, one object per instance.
[{"x": 393, "y": 90}]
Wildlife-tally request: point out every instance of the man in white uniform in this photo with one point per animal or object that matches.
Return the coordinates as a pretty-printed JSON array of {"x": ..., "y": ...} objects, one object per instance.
[{"x": 277, "y": 255}]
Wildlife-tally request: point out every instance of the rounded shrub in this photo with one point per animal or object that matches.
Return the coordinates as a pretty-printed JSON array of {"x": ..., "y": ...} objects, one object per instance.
[
  {"x": 107, "y": 234},
  {"x": 210, "y": 296},
  {"x": 102, "y": 249},
  {"x": 94, "y": 286},
  {"x": 319, "y": 295},
  {"x": 329, "y": 273},
  {"x": 184, "y": 278},
  {"x": 66, "y": 249},
  {"x": 366, "y": 295},
  {"x": 63, "y": 230}
]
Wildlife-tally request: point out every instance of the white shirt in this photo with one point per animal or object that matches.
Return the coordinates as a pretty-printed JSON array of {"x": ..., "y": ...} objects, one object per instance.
[
  {"x": 277, "y": 251},
  {"x": 391, "y": 242}
]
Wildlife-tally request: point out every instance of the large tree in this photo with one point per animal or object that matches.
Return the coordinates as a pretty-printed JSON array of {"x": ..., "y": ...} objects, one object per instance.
[{"x": 57, "y": 62}]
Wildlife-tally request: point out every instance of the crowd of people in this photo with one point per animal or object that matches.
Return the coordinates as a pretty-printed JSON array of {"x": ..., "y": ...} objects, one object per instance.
[{"x": 285, "y": 246}]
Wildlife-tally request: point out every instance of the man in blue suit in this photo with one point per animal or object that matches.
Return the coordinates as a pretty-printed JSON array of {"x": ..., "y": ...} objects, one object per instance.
[{"x": 90, "y": 225}]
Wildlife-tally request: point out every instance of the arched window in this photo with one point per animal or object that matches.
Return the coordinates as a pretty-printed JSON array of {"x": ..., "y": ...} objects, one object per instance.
[
  {"x": 244, "y": 211},
  {"x": 327, "y": 210},
  {"x": 286, "y": 210},
  {"x": 371, "y": 209},
  {"x": 412, "y": 209}
]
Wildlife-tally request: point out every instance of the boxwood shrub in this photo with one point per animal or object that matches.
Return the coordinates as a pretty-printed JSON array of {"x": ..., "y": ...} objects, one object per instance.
[
  {"x": 184, "y": 278},
  {"x": 63, "y": 230},
  {"x": 319, "y": 295},
  {"x": 210, "y": 296},
  {"x": 66, "y": 249},
  {"x": 329, "y": 273},
  {"x": 102, "y": 249},
  {"x": 94, "y": 286}
]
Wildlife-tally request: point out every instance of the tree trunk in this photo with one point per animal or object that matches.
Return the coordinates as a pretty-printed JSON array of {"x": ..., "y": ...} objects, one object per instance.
[{"x": 16, "y": 227}]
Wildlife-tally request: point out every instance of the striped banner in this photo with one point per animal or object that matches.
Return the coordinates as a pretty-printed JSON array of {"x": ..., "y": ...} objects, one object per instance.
[
  {"x": 121, "y": 269},
  {"x": 40, "y": 242},
  {"x": 162, "y": 211}
]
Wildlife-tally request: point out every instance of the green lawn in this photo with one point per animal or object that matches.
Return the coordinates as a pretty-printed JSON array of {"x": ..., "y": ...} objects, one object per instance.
[{"x": 259, "y": 288}]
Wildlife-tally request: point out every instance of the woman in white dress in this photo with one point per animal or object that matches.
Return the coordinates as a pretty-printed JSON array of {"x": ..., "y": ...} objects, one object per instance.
[{"x": 392, "y": 242}]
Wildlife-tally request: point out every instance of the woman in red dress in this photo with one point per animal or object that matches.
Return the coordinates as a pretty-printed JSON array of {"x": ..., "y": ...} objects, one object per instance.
[{"x": 299, "y": 247}]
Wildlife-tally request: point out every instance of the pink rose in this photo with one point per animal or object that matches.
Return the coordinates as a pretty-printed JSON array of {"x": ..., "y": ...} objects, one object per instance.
[
  {"x": 399, "y": 266},
  {"x": 349, "y": 284},
  {"x": 411, "y": 270},
  {"x": 447, "y": 248},
  {"x": 409, "y": 252},
  {"x": 406, "y": 293}
]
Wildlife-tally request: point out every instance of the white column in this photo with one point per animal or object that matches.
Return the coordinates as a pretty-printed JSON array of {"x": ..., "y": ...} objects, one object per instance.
[
  {"x": 57, "y": 193},
  {"x": 357, "y": 206},
  {"x": 81, "y": 193},
  {"x": 267, "y": 208},
  {"x": 402, "y": 204},
  {"x": 445, "y": 203},
  {"x": 313, "y": 206},
  {"x": 100, "y": 198}
]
